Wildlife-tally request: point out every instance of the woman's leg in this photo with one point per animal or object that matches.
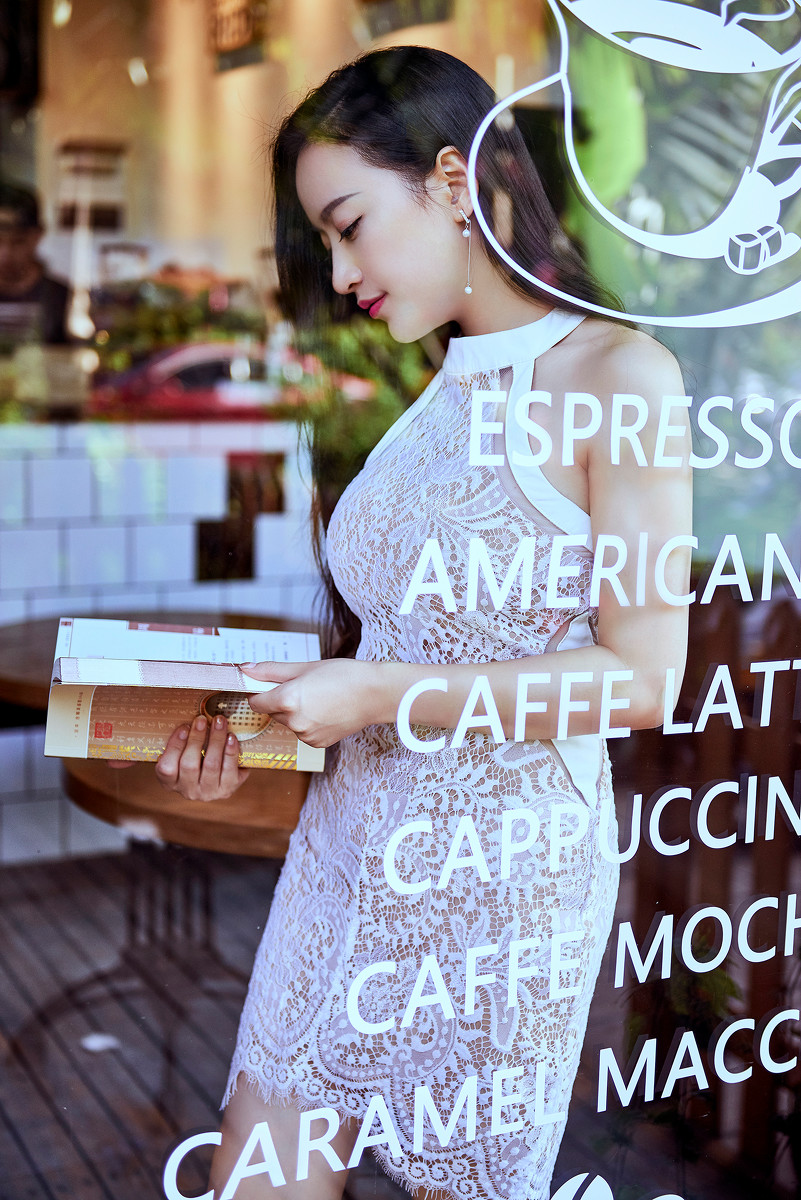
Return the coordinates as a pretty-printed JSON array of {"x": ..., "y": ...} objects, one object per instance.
[{"x": 247, "y": 1110}]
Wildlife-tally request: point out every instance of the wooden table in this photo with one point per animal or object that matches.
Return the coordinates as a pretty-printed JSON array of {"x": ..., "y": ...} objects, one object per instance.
[{"x": 257, "y": 820}]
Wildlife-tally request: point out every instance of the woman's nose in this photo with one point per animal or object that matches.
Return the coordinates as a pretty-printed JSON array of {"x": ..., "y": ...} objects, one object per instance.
[{"x": 345, "y": 274}]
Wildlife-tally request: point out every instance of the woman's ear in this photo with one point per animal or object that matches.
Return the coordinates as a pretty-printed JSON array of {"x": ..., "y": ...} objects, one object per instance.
[{"x": 450, "y": 172}]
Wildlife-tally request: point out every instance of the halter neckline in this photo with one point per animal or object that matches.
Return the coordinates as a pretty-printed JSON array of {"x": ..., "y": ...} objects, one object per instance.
[{"x": 494, "y": 351}]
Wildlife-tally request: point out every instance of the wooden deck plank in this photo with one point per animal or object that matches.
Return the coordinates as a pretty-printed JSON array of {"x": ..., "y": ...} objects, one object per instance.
[
  {"x": 67, "y": 958},
  {"x": 95, "y": 1126},
  {"x": 109, "y": 1123},
  {"x": 176, "y": 955},
  {"x": 153, "y": 1120},
  {"x": 21, "y": 1177},
  {"x": 188, "y": 1101},
  {"x": 44, "y": 1132},
  {"x": 169, "y": 981},
  {"x": 250, "y": 894},
  {"x": 201, "y": 1063}
]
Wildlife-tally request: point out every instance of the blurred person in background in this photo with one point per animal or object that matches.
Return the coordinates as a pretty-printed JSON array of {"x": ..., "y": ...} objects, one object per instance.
[{"x": 33, "y": 305}]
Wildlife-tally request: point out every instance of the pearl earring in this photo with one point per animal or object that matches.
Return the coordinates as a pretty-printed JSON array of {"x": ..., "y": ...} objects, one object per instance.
[{"x": 466, "y": 233}]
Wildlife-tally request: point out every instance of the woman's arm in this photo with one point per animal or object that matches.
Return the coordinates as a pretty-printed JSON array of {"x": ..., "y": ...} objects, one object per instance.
[{"x": 323, "y": 702}]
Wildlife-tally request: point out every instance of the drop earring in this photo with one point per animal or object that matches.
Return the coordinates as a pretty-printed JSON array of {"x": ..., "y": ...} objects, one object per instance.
[{"x": 466, "y": 233}]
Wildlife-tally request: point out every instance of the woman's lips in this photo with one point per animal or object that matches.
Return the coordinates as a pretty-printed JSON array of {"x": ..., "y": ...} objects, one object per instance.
[{"x": 373, "y": 306}]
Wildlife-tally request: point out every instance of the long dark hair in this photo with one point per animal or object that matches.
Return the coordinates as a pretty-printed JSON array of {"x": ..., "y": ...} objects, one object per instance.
[{"x": 398, "y": 108}]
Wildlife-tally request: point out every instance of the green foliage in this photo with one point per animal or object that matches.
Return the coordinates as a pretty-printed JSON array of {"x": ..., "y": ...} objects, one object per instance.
[
  {"x": 137, "y": 321},
  {"x": 701, "y": 1002},
  {"x": 343, "y": 429},
  {"x": 686, "y": 999},
  {"x": 366, "y": 350}
]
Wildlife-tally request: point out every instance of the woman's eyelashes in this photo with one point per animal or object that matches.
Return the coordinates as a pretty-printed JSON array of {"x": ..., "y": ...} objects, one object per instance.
[{"x": 348, "y": 232}]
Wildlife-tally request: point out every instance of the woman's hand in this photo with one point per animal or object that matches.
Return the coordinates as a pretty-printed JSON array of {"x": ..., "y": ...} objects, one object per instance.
[
  {"x": 321, "y": 702},
  {"x": 185, "y": 769}
]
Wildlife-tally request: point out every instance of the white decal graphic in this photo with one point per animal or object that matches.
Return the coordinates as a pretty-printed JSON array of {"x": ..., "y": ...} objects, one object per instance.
[
  {"x": 581, "y": 1187},
  {"x": 748, "y": 234}
]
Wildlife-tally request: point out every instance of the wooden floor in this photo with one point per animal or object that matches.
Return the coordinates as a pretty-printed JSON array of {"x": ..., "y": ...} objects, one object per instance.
[
  {"x": 118, "y": 1014},
  {"x": 121, "y": 982}
]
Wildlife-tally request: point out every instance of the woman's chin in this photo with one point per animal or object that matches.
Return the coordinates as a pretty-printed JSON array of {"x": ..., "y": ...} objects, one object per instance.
[
  {"x": 401, "y": 335},
  {"x": 406, "y": 331}
]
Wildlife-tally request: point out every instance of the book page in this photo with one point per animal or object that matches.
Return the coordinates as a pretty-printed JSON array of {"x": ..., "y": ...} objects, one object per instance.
[
  {"x": 148, "y": 673},
  {"x": 95, "y": 637}
]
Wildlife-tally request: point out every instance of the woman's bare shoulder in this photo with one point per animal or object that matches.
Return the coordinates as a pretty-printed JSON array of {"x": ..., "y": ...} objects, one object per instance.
[{"x": 617, "y": 358}]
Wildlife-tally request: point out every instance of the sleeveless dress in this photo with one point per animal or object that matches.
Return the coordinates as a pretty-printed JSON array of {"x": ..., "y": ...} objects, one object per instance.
[{"x": 489, "y": 1065}]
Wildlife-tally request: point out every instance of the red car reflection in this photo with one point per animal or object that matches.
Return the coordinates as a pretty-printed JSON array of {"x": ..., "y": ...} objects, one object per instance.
[{"x": 214, "y": 380}]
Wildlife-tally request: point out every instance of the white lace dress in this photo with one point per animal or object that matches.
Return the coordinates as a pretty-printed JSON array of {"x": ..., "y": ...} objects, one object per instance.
[{"x": 335, "y": 912}]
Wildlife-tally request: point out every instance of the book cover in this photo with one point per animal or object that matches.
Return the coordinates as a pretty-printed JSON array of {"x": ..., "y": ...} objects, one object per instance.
[{"x": 113, "y": 696}]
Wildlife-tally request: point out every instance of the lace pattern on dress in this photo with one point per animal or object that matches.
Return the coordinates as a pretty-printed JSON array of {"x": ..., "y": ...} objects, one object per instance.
[{"x": 334, "y": 910}]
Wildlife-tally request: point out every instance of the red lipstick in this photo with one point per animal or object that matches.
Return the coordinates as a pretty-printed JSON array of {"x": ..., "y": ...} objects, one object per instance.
[{"x": 373, "y": 305}]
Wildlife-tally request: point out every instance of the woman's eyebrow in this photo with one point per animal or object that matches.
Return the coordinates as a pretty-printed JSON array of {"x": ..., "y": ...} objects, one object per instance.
[{"x": 329, "y": 208}]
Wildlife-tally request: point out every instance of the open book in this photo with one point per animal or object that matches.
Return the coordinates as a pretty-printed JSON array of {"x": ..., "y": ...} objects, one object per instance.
[{"x": 119, "y": 688}]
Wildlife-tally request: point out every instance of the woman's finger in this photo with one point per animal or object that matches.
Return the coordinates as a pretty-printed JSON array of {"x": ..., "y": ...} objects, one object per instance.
[
  {"x": 215, "y": 749},
  {"x": 272, "y": 672},
  {"x": 191, "y": 762},
  {"x": 168, "y": 765},
  {"x": 271, "y": 702},
  {"x": 231, "y": 774}
]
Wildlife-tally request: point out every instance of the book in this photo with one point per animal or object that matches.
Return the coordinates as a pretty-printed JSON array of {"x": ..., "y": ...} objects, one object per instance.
[{"x": 119, "y": 688}]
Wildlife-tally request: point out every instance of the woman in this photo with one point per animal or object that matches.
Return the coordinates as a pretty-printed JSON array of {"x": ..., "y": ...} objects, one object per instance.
[{"x": 431, "y": 952}]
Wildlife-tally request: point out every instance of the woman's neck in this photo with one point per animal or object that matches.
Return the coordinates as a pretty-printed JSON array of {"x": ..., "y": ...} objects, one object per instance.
[{"x": 494, "y": 306}]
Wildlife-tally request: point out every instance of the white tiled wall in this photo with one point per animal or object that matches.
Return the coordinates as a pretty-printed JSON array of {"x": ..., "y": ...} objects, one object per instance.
[
  {"x": 60, "y": 488},
  {"x": 37, "y": 820},
  {"x": 99, "y": 518},
  {"x": 29, "y": 559},
  {"x": 130, "y": 487},
  {"x": 12, "y": 490},
  {"x": 96, "y": 554},
  {"x": 164, "y": 553},
  {"x": 91, "y": 511},
  {"x": 196, "y": 485}
]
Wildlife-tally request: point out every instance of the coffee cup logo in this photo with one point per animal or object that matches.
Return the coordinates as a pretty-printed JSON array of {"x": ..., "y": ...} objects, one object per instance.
[
  {"x": 749, "y": 236},
  {"x": 585, "y": 1187}
]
